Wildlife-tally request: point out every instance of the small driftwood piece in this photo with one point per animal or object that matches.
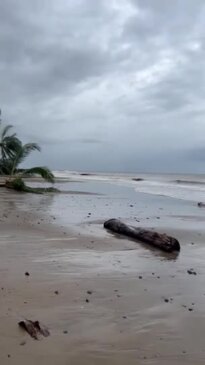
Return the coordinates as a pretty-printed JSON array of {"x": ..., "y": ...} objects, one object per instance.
[
  {"x": 158, "y": 240},
  {"x": 34, "y": 328}
]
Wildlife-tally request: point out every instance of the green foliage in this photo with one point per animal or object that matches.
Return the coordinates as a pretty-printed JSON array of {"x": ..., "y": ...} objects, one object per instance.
[
  {"x": 19, "y": 185},
  {"x": 12, "y": 153},
  {"x": 16, "y": 184},
  {"x": 44, "y": 172},
  {"x": 5, "y": 166},
  {"x": 24, "y": 151},
  {"x": 9, "y": 144}
]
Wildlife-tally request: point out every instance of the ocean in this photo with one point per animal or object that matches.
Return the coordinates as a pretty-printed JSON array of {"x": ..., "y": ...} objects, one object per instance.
[{"x": 180, "y": 186}]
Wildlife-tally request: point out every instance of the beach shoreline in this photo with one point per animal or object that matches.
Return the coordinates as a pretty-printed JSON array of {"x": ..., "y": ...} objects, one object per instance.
[{"x": 105, "y": 299}]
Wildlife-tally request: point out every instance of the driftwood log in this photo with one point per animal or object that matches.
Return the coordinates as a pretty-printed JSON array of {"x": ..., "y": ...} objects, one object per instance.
[{"x": 158, "y": 240}]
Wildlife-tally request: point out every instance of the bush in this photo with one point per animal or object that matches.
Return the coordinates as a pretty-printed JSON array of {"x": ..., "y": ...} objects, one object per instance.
[
  {"x": 16, "y": 184},
  {"x": 19, "y": 185}
]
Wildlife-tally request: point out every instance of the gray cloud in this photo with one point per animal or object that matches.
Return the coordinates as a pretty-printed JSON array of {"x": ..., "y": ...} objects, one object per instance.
[{"x": 106, "y": 85}]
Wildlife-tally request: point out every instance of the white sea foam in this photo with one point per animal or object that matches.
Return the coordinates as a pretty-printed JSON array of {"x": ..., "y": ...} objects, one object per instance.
[{"x": 186, "y": 187}]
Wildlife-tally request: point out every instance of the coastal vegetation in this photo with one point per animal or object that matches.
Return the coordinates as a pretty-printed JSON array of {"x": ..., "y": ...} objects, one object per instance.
[{"x": 12, "y": 154}]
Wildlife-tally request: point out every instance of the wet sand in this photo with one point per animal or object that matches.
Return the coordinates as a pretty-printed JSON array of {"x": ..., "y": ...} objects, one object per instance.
[{"x": 116, "y": 301}]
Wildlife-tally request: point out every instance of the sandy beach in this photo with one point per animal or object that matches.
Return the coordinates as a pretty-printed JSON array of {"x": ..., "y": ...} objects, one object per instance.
[{"x": 105, "y": 299}]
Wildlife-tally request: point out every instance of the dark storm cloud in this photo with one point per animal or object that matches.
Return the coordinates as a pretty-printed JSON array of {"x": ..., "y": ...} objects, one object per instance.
[
  {"x": 40, "y": 64},
  {"x": 105, "y": 85}
]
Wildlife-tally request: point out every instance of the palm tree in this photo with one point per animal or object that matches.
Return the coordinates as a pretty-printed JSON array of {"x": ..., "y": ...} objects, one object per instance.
[
  {"x": 9, "y": 146},
  {"x": 15, "y": 180},
  {"x": 12, "y": 154}
]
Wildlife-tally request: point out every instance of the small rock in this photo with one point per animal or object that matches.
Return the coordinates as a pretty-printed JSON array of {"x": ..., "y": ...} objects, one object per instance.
[
  {"x": 200, "y": 204},
  {"x": 191, "y": 272},
  {"x": 124, "y": 317},
  {"x": 22, "y": 343},
  {"x": 27, "y": 273},
  {"x": 190, "y": 309},
  {"x": 137, "y": 179},
  {"x": 166, "y": 300},
  {"x": 140, "y": 277},
  {"x": 89, "y": 292},
  {"x": 56, "y": 292},
  {"x": 87, "y": 300},
  {"x": 65, "y": 332}
]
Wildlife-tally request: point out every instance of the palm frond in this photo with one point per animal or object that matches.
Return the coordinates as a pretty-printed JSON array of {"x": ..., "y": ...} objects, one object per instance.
[
  {"x": 31, "y": 147},
  {"x": 9, "y": 143},
  {"x": 24, "y": 151},
  {"x": 44, "y": 172},
  {"x": 10, "y": 146},
  {"x": 13, "y": 139},
  {"x": 28, "y": 148},
  {"x": 5, "y": 130},
  {"x": 12, "y": 135}
]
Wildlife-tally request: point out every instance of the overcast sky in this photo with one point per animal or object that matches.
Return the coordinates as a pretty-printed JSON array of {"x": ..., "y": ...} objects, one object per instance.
[{"x": 106, "y": 84}]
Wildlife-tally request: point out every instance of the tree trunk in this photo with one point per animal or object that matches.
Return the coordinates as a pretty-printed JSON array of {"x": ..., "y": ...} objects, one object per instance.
[{"x": 159, "y": 240}]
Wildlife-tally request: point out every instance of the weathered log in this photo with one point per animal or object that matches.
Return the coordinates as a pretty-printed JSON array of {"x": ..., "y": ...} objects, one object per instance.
[{"x": 158, "y": 240}]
